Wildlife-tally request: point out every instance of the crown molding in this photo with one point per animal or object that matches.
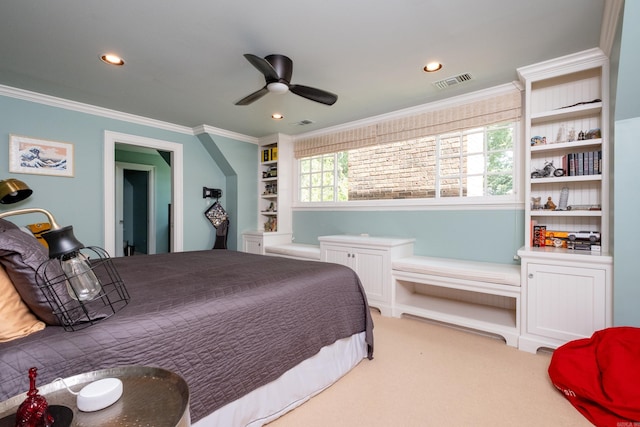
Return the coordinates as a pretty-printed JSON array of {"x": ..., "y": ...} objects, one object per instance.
[
  {"x": 66, "y": 104},
  {"x": 593, "y": 57},
  {"x": 610, "y": 17},
  {"x": 222, "y": 132}
]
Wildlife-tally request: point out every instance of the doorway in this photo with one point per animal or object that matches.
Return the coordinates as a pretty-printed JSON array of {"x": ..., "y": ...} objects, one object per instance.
[
  {"x": 176, "y": 227},
  {"x": 135, "y": 209}
]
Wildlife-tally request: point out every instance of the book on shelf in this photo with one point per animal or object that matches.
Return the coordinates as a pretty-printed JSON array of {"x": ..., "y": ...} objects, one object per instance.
[
  {"x": 539, "y": 236},
  {"x": 270, "y": 154},
  {"x": 584, "y": 163}
]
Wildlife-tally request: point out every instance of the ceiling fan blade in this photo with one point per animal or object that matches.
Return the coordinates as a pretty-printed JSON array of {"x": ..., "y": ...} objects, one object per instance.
[
  {"x": 314, "y": 94},
  {"x": 253, "y": 97},
  {"x": 270, "y": 74}
]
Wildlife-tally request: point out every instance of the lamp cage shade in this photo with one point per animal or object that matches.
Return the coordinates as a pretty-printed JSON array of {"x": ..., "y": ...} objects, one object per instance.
[{"x": 74, "y": 312}]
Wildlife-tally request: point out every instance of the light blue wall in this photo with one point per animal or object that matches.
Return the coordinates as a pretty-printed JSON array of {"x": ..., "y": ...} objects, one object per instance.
[
  {"x": 79, "y": 201},
  {"x": 239, "y": 162},
  {"x": 626, "y": 152},
  {"x": 490, "y": 236}
]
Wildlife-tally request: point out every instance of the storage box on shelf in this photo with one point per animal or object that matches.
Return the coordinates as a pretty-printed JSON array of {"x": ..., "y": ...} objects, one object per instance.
[{"x": 566, "y": 288}]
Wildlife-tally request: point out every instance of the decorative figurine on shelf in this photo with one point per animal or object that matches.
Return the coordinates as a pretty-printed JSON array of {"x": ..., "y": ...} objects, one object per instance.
[
  {"x": 572, "y": 135},
  {"x": 560, "y": 136},
  {"x": 535, "y": 203},
  {"x": 271, "y": 224},
  {"x": 34, "y": 411},
  {"x": 581, "y": 136},
  {"x": 549, "y": 205}
]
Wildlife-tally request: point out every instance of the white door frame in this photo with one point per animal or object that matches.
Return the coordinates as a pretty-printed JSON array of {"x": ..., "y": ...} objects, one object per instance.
[
  {"x": 151, "y": 205},
  {"x": 177, "y": 205}
]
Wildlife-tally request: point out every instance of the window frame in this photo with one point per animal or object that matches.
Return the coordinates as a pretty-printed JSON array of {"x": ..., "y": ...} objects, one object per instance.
[{"x": 510, "y": 201}]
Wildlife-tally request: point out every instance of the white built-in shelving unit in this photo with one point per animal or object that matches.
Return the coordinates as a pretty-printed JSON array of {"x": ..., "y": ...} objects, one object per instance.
[
  {"x": 274, "y": 194},
  {"x": 566, "y": 293}
]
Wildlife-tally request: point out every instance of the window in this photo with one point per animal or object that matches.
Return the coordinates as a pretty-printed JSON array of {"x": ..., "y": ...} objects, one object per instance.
[
  {"x": 324, "y": 178},
  {"x": 472, "y": 163}
]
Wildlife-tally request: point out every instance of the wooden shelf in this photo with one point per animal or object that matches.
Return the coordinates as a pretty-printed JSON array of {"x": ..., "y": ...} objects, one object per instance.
[
  {"x": 566, "y": 146},
  {"x": 559, "y": 179},
  {"x": 572, "y": 213},
  {"x": 567, "y": 113}
]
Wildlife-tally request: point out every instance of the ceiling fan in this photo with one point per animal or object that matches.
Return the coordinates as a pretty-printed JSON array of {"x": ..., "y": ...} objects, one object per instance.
[{"x": 277, "y": 71}]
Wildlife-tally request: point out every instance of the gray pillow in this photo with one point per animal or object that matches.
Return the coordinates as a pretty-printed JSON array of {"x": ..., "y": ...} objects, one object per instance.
[{"x": 21, "y": 255}]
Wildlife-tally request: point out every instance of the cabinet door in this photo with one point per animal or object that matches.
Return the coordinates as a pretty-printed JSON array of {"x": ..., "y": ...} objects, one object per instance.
[
  {"x": 252, "y": 246},
  {"x": 565, "y": 303},
  {"x": 370, "y": 266},
  {"x": 338, "y": 255}
]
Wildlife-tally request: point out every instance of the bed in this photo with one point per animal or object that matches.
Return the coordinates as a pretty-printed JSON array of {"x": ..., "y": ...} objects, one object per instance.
[{"x": 253, "y": 336}]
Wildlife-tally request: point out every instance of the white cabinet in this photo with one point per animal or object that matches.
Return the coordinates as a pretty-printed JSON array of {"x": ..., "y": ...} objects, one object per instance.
[
  {"x": 563, "y": 299},
  {"x": 370, "y": 258},
  {"x": 254, "y": 242}
]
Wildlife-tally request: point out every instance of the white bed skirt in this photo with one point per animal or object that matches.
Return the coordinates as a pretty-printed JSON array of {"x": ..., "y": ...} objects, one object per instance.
[{"x": 293, "y": 388}]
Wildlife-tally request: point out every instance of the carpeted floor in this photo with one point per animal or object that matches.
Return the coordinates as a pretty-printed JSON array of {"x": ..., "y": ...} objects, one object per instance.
[{"x": 430, "y": 375}]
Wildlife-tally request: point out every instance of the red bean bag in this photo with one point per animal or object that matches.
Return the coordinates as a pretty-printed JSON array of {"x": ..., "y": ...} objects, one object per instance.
[{"x": 600, "y": 376}]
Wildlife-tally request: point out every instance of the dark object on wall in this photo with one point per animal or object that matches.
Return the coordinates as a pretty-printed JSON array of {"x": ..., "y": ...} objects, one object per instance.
[
  {"x": 221, "y": 235},
  {"x": 214, "y": 193},
  {"x": 220, "y": 220}
]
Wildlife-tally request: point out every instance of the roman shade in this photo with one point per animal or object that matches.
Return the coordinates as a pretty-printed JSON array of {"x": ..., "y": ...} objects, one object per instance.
[{"x": 500, "y": 108}]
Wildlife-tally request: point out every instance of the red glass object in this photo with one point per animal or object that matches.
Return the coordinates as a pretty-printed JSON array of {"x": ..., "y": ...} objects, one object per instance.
[{"x": 34, "y": 411}]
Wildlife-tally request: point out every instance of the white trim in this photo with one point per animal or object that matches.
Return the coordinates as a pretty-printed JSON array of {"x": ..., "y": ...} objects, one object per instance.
[
  {"x": 432, "y": 106},
  {"x": 410, "y": 205},
  {"x": 564, "y": 65},
  {"x": 177, "y": 225},
  {"x": 151, "y": 203},
  {"x": 226, "y": 133},
  {"x": 610, "y": 18},
  {"x": 508, "y": 202},
  {"x": 66, "y": 104}
]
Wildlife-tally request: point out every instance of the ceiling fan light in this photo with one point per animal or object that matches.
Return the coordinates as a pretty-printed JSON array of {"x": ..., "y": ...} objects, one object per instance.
[{"x": 277, "y": 87}]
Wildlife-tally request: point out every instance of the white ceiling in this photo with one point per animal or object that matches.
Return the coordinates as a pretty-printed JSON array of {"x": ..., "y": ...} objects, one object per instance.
[{"x": 185, "y": 64}]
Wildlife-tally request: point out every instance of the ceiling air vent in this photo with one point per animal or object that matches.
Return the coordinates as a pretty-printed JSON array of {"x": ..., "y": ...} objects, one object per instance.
[
  {"x": 453, "y": 81},
  {"x": 304, "y": 122}
]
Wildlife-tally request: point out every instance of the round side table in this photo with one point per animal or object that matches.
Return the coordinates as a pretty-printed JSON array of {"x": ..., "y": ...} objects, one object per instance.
[{"x": 151, "y": 397}]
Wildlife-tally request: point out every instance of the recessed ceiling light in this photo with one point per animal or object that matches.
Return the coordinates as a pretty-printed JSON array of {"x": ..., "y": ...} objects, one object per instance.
[
  {"x": 112, "y": 59},
  {"x": 277, "y": 116},
  {"x": 432, "y": 66}
]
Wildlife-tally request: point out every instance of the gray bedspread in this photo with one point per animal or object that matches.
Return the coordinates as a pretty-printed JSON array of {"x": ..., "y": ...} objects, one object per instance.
[{"x": 227, "y": 322}]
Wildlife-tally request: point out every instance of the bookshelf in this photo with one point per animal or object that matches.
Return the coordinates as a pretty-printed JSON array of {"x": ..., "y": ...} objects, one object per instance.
[
  {"x": 275, "y": 156},
  {"x": 566, "y": 283},
  {"x": 567, "y": 106}
]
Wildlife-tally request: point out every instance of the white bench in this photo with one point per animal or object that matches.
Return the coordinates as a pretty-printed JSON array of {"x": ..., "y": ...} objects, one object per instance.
[
  {"x": 295, "y": 251},
  {"x": 474, "y": 295}
]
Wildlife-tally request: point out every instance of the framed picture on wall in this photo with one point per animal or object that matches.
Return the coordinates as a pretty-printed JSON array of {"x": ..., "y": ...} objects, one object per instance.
[{"x": 40, "y": 156}]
